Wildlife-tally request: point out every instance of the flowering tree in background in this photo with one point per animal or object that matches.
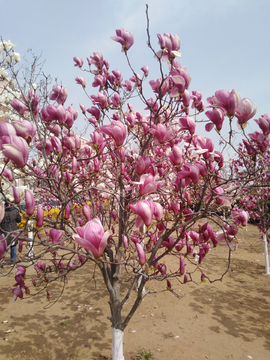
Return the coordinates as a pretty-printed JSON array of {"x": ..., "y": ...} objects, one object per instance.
[
  {"x": 251, "y": 171},
  {"x": 130, "y": 196}
]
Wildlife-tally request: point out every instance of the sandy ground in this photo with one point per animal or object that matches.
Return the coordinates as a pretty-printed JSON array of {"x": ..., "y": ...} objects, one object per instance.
[{"x": 222, "y": 320}]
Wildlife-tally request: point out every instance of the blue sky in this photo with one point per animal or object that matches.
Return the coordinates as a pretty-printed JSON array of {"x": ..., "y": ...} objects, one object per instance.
[{"x": 224, "y": 44}]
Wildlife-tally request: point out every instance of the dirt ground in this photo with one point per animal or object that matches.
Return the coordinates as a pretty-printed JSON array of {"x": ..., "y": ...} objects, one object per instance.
[{"x": 222, "y": 320}]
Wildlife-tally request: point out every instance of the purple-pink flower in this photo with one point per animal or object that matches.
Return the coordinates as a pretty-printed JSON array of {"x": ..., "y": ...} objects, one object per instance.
[
  {"x": 125, "y": 38},
  {"x": 29, "y": 202},
  {"x": 92, "y": 237},
  {"x": 115, "y": 130},
  {"x": 59, "y": 94},
  {"x": 170, "y": 46}
]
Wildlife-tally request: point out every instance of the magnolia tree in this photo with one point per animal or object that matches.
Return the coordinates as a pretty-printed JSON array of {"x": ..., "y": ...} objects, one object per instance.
[
  {"x": 132, "y": 195},
  {"x": 252, "y": 172}
]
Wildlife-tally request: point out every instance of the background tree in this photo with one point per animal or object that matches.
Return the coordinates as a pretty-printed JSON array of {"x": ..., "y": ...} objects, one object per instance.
[
  {"x": 133, "y": 194},
  {"x": 251, "y": 171}
]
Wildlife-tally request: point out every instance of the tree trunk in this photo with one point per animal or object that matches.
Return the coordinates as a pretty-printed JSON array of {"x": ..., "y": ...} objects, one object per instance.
[
  {"x": 117, "y": 344},
  {"x": 267, "y": 272}
]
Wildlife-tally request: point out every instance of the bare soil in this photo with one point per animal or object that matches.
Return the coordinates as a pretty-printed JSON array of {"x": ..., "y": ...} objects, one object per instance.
[{"x": 221, "y": 320}]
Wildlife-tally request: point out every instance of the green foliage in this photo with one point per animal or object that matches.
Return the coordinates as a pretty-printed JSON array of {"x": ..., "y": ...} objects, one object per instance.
[{"x": 144, "y": 354}]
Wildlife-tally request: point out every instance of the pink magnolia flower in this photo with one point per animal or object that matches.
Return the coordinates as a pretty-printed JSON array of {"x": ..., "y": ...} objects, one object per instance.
[
  {"x": 161, "y": 133},
  {"x": 244, "y": 112},
  {"x": 16, "y": 195},
  {"x": 176, "y": 156},
  {"x": 125, "y": 38},
  {"x": 144, "y": 210},
  {"x": 160, "y": 86},
  {"x": 59, "y": 94},
  {"x": 55, "y": 235},
  {"x": 197, "y": 100},
  {"x": 71, "y": 116},
  {"x": 100, "y": 81},
  {"x": 92, "y": 237},
  {"x": 87, "y": 212},
  {"x": 8, "y": 174},
  {"x": 259, "y": 138},
  {"x": 17, "y": 291},
  {"x": 187, "y": 123},
  {"x": 80, "y": 81},
  {"x": 3, "y": 246},
  {"x": 147, "y": 184},
  {"x": 19, "y": 106},
  {"x": 128, "y": 85},
  {"x": 204, "y": 146},
  {"x": 57, "y": 144},
  {"x": 6, "y": 129},
  {"x": 141, "y": 253},
  {"x": 25, "y": 129},
  {"x": 158, "y": 210},
  {"x": 250, "y": 149},
  {"x": 100, "y": 99},
  {"x": 217, "y": 118},
  {"x": 67, "y": 212},
  {"x": 264, "y": 123},
  {"x": 170, "y": 46},
  {"x": 190, "y": 173},
  {"x": 116, "y": 130},
  {"x": 29, "y": 202},
  {"x": 40, "y": 216},
  {"x": 125, "y": 241},
  {"x": 15, "y": 149},
  {"x": 78, "y": 62},
  {"x": 145, "y": 70},
  {"x": 168, "y": 242},
  {"x": 240, "y": 217},
  {"x": 32, "y": 101},
  {"x": 94, "y": 111},
  {"x": 83, "y": 108},
  {"x": 143, "y": 164},
  {"x": 115, "y": 100},
  {"x": 182, "y": 265},
  {"x": 229, "y": 101}
]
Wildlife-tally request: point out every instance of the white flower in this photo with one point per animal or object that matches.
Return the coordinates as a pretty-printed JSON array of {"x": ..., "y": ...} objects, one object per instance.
[
  {"x": 3, "y": 73},
  {"x": 16, "y": 56},
  {"x": 8, "y": 59},
  {"x": 8, "y": 44}
]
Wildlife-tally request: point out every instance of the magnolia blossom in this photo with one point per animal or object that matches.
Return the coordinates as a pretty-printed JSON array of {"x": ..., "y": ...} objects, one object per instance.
[
  {"x": 116, "y": 130},
  {"x": 170, "y": 46},
  {"x": 40, "y": 216},
  {"x": 79, "y": 80},
  {"x": 3, "y": 246},
  {"x": 29, "y": 202},
  {"x": 147, "y": 184},
  {"x": 125, "y": 38},
  {"x": 92, "y": 237},
  {"x": 244, "y": 112},
  {"x": 217, "y": 118},
  {"x": 59, "y": 94},
  {"x": 15, "y": 149},
  {"x": 187, "y": 123},
  {"x": 141, "y": 253},
  {"x": 240, "y": 217},
  {"x": 146, "y": 210},
  {"x": 55, "y": 235},
  {"x": 161, "y": 133},
  {"x": 78, "y": 61}
]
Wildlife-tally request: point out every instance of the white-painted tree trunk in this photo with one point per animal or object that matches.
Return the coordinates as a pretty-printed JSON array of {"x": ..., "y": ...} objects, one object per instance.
[
  {"x": 30, "y": 236},
  {"x": 267, "y": 272},
  {"x": 117, "y": 344}
]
